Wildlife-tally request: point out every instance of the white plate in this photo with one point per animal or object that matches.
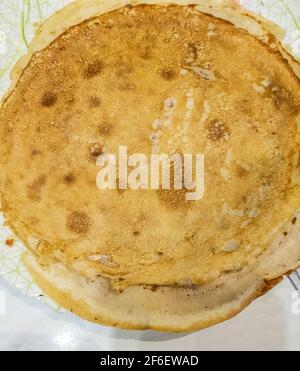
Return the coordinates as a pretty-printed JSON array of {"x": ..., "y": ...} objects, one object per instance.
[{"x": 271, "y": 323}]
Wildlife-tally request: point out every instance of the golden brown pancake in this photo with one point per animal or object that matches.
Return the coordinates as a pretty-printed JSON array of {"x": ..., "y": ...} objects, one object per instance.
[{"x": 197, "y": 84}]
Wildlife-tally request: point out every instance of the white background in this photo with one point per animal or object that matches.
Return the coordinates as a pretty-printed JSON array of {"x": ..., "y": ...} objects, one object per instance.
[{"x": 27, "y": 324}]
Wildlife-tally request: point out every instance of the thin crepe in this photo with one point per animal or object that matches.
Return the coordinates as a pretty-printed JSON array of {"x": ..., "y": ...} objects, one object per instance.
[{"x": 165, "y": 308}]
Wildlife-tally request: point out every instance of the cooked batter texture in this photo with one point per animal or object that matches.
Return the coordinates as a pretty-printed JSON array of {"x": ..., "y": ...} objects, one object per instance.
[{"x": 158, "y": 79}]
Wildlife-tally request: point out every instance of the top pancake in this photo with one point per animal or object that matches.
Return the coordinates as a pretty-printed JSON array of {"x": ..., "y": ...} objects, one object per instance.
[{"x": 103, "y": 84}]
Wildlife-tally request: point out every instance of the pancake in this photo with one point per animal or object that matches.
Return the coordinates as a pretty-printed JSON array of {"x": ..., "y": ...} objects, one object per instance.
[{"x": 157, "y": 78}]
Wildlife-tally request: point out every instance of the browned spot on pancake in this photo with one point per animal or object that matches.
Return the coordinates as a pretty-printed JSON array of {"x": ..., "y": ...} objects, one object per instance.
[
  {"x": 174, "y": 198},
  {"x": 94, "y": 102},
  {"x": 69, "y": 178},
  {"x": 245, "y": 106},
  {"x": 136, "y": 233},
  {"x": 42, "y": 180},
  {"x": 217, "y": 131},
  {"x": 95, "y": 150},
  {"x": 49, "y": 99},
  {"x": 9, "y": 242},
  {"x": 283, "y": 99},
  {"x": 105, "y": 129},
  {"x": 168, "y": 74},
  {"x": 34, "y": 189},
  {"x": 78, "y": 222},
  {"x": 35, "y": 152},
  {"x": 93, "y": 69},
  {"x": 190, "y": 236},
  {"x": 241, "y": 172}
]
